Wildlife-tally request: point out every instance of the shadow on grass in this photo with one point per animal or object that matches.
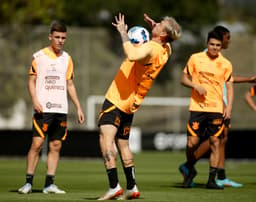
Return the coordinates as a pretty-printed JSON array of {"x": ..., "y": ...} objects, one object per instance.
[
  {"x": 93, "y": 198},
  {"x": 196, "y": 186},
  {"x": 33, "y": 191}
]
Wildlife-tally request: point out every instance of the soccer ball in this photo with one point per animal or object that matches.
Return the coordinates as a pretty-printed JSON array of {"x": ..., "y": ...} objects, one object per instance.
[{"x": 138, "y": 35}]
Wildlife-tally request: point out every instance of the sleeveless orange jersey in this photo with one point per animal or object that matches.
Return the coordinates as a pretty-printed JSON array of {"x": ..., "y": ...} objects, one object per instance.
[
  {"x": 211, "y": 74},
  {"x": 134, "y": 80},
  {"x": 52, "y": 73}
]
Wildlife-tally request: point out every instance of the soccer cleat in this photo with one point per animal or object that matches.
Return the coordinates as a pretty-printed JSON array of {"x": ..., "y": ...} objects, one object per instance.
[
  {"x": 53, "y": 189},
  {"x": 132, "y": 193},
  {"x": 185, "y": 172},
  {"x": 213, "y": 185},
  {"x": 25, "y": 189},
  {"x": 112, "y": 193},
  {"x": 188, "y": 181},
  {"x": 228, "y": 183}
]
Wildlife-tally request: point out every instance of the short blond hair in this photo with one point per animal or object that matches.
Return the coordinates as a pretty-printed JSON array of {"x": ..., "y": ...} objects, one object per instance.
[{"x": 172, "y": 28}]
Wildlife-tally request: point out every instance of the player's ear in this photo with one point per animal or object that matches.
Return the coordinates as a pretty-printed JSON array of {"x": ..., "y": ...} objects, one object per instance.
[
  {"x": 50, "y": 37},
  {"x": 164, "y": 37}
]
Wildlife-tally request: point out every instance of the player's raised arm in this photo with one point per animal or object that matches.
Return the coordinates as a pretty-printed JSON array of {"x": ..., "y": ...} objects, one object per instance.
[
  {"x": 149, "y": 20},
  {"x": 121, "y": 27},
  {"x": 133, "y": 53}
]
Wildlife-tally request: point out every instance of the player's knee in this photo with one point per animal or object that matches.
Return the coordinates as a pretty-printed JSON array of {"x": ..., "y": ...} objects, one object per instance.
[
  {"x": 55, "y": 145},
  {"x": 190, "y": 145},
  {"x": 128, "y": 162},
  {"x": 109, "y": 156},
  {"x": 36, "y": 147},
  {"x": 224, "y": 140}
]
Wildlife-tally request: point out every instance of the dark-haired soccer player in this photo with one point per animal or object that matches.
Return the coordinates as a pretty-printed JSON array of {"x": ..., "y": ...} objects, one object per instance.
[
  {"x": 206, "y": 73},
  {"x": 204, "y": 147},
  {"x": 50, "y": 80}
]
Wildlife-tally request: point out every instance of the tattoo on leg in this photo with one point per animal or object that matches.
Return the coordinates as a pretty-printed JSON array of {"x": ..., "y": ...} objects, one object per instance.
[{"x": 108, "y": 155}]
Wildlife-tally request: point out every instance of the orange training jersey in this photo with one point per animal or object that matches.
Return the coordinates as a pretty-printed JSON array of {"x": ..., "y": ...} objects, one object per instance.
[
  {"x": 211, "y": 74},
  {"x": 52, "y": 73},
  {"x": 134, "y": 80}
]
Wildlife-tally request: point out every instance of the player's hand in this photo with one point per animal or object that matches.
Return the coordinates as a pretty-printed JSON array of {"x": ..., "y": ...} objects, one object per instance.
[
  {"x": 80, "y": 116},
  {"x": 120, "y": 23},
  {"x": 253, "y": 79},
  {"x": 37, "y": 107},
  {"x": 149, "y": 20},
  {"x": 200, "y": 90},
  {"x": 227, "y": 113}
]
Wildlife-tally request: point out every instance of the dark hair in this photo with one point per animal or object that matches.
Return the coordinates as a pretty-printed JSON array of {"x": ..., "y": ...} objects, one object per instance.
[
  {"x": 57, "y": 26},
  {"x": 221, "y": 29},
  {"x": 214, "y": 35}
]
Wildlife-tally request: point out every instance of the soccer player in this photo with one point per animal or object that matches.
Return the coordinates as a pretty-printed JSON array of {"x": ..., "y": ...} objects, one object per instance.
[
  {"x": 206, "y": 73},
  {"x": 125, "y": 95},
  {"x": 249, "y": 97},
  {"x": 204, "y": 147},
  {"x": 50, "y": 79}
]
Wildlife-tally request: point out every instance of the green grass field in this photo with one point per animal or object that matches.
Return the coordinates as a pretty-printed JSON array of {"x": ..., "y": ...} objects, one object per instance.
[{"x": 156, "y": 172}]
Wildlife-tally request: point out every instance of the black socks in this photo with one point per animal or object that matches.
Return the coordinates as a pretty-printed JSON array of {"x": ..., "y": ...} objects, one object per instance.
[
  {"x": 49, "y": 180},
  {"x": 112, "y": 177}
]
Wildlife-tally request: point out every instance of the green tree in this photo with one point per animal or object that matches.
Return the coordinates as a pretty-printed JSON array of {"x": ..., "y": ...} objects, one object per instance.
[
  {"x": 30, "y": 11},
  {"x": 99, "y": 12}
]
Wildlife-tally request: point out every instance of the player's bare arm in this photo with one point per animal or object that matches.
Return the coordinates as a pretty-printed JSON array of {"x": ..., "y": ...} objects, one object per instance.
[
  {"x": 149, "y": 20},
  {"x": 253, "y": 79},
  {"x": 32, "y": 91},
  {"x": 230, "y": 94},
  {"x": 245, "y": 79},
  {"x": 121, "y": 27},
  {"x": 73, "y": 95},
  {"x": 133, "y": 53},
  {"x": 186, "y": 81}
]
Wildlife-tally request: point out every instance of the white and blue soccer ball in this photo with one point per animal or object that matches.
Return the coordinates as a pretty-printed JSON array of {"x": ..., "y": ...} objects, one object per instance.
[{"x": 138, "y": 35}]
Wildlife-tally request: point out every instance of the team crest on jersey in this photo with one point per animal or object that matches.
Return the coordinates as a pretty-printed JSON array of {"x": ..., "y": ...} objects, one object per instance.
[
  {"x": 218, "y": 64},
  {"x": 195, "y": 125}
]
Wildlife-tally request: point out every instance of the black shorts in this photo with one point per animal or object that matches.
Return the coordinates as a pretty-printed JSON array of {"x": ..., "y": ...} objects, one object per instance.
[
  {"x": 227, "y": 123},
  {"x": 53, "y": 125},
  {"x": 110, "y": 114},
  {"x": 205, "y": 124}
]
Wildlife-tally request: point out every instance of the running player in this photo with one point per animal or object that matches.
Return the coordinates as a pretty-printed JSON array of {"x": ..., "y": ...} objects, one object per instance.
[
  {"x": 208, "y": 71},
  {"x": 204, "y": 147}
]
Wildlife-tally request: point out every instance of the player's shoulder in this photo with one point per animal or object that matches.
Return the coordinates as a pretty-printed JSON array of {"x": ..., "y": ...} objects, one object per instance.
[
  {"x": 155, "y": 44},
  {"x": 198, "y": 55},
  {"x": 225, "y": 60},
  {"x": 68, "y": 56},
  {"x": 64, "y": 53},
  {"x": 162, "y": 48},
  {"x": 39, "y": 53}
]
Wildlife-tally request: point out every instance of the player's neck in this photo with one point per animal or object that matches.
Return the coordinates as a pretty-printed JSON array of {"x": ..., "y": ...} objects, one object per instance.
[
  {"x": 57, "y": 52},
  {"x": 158, "y": 40},
  {"x": 211, "y": 55}
]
